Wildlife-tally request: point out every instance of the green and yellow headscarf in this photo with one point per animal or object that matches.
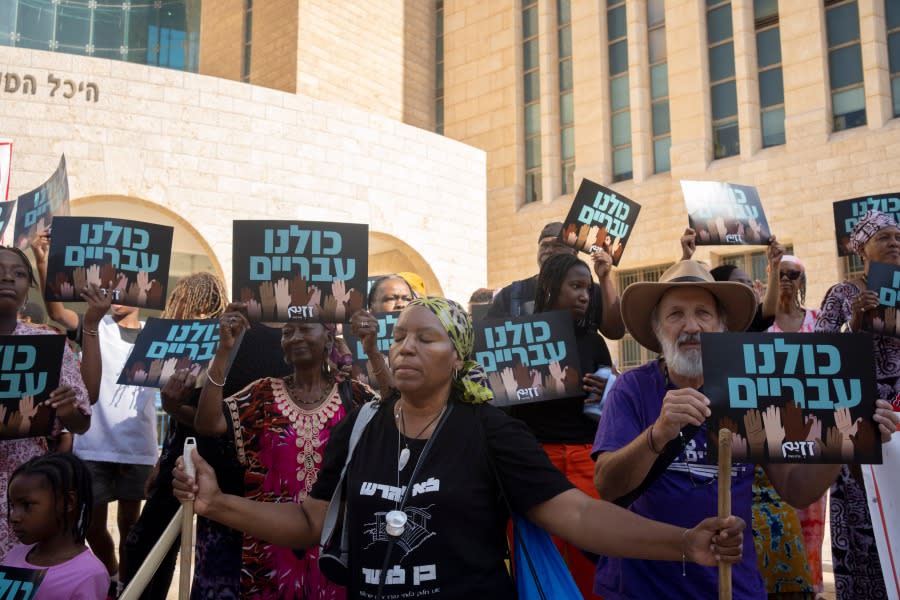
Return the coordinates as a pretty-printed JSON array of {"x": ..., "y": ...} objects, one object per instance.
[{"x": 471, "y": 381}]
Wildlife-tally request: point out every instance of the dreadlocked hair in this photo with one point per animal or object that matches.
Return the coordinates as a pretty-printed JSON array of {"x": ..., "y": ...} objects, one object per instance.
[
  {"x": 196, "y": 294},
  {"x": 65, "y": 473},
  {"x": 32, "y": 281},
  {"x": 550, "y": 280}
]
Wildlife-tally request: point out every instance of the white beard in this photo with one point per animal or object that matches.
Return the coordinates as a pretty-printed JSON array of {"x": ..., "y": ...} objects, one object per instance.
[{"x": 687, "y": 363}]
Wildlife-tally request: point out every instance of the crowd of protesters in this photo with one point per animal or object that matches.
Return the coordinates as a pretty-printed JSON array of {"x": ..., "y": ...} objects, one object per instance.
[{"x": 409, "y": 464}]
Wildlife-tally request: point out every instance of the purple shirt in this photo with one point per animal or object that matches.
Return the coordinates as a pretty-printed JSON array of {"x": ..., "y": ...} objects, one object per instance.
[
  {"x": 81, "y": 578},
  {"x": 684, "y": 495}
]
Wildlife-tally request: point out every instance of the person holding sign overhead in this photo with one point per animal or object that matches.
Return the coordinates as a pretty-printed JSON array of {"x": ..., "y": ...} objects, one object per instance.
[
  {"x": 857, "y": 572},
  {"x": 652, "y": 439},
  {"x": 560, "y": 425},
  {"x": 518, "y": 297},
  {"x": 449, "y": 540},
  {"x": 70, "y": 399},
  {"x": 279, "y": 427}
]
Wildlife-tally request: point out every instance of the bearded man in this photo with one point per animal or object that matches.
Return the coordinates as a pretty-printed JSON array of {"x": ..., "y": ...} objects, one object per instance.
[{"x": 659, "y": 409}]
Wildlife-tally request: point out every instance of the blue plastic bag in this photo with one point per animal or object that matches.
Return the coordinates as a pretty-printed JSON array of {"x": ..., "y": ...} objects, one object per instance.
[{"x": 541, "y": 573}]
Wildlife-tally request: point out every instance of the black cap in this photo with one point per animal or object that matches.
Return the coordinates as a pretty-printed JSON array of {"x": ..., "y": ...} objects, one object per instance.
[{"x": 551, "y": 230}]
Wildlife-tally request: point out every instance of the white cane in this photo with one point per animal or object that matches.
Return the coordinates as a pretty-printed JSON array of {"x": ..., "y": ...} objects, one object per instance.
[{"x": 187, "y": 526}]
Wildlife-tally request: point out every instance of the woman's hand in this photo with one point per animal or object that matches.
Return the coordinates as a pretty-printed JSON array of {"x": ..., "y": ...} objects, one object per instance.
[
  {"x": 40, "y": 245},
  {"x": 602, "y": 262},
  {"x": 364, "y": 325},
  {"x": 715, "y": 540},
  {"x": 866, "y": 300},
  {"x": 593, "y": 386},
  {"x": 98, "y": 301},
  {"x": 231, "y": 324},
  {"x": 203, "y": 490},
  {"x": 63, "y": 400},
  {"x": 688, "y": 243},
  {"x": 888, "y": 420}
]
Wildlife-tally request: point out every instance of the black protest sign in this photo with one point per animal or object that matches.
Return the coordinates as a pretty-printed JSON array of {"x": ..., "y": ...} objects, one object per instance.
[
  {"x": 29, "y": 371},
  {"x": 847, "y": 214},
  {"x": 20, "y": 584},
  {"x": 599, "y": 218},
  {"x": 300, "y": 270},
  {"x": 384, "y": 336},
  {"x": 38, "y": 207},
  {"x": 129, "y": 258},
  {"x": 884, "y": 280},
  {"x": 531, "y": 358},
  {"x": 6, "y": 209},
  {"x": 793, "y": 397},
  {"x": 725, "y": 214},
  {"x": 168, "y": 345}
]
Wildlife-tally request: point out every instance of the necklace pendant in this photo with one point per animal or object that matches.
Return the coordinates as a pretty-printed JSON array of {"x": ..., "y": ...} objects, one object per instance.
[
  {"x": 395, "y": 523},
  {"x": 403, "y": 459}
]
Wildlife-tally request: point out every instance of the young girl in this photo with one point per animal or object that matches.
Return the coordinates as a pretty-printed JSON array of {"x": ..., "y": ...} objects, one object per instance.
[{"x": 49, "y": 510}]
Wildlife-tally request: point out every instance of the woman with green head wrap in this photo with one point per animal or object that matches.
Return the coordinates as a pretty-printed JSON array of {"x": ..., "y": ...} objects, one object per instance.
[{"x": 451, "y": 540}]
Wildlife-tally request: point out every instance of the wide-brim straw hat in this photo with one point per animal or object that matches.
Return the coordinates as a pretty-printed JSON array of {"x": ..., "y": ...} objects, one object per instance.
[{"x": 639, "y": 300}]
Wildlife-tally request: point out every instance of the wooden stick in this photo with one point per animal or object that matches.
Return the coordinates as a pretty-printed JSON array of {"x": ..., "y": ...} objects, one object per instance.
[
  {"x": 724, "y": 504},
  {"x": 151, "y": 563},
  {"x": 187, "y": 528}
]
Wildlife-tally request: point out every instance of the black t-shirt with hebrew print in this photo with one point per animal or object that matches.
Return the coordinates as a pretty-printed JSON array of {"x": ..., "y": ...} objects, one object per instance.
[{"x": 455, "y": 544}]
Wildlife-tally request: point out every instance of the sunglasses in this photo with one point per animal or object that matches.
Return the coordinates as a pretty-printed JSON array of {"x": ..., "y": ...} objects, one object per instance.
[{"x": 791, "y": 275}]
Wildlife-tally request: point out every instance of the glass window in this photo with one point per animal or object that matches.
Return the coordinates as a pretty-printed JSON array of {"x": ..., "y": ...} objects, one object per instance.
[
  {"x": 568, "y": 177},
  {"x": 621, "y": 128},
  {"x": 618, "y": 58},
  {"x": 768, "y": 47},
  {"x": 439, "y": 79},
  {"x": 845, "y": 66},
  {"x": 7, "y": 22},
  {"x": 660, "y": 118},
  {"x": 532, "y": 119},
  {"x": 657, "y": 39},
  {"x": 726, "y": 141},
  {"x": 771, "y": 87},
  {"x": 565, "y": 75},
  {"x": 656, "y": 12},
  {"x": 533, "y": 186},
  {"x": 529, "y": 22},
  {"x": 530, "y": 55},
  {"x": 566, "y": 109},
  {"x": 35, "y": 26},
  {"x": 892, "y": 13},
  {"x": 773, "y": 127},
  {"x": 763, "y": 9},
  {"x": 109, "y": 28},
  {"x": 895, "y": 93},
  {"x": 532, "y": 87},
  {"x": 721, "y": 62},
  {"x": 567, "y": 142},
  {"x": 622, "y": 164},
  {"x": 564, "y": 11},
  {"x": 73, "y": 24},
  {"x": 565, "y": 42},
  {"x": 661, "y": 160},
  {"x": 724, "y": 100},
  {"x": 894, "y": 51},
  {"x": 438, "y": 43},
  {"x": 139, "y": 33},
  {"x": 619, "y": 91},
  {"x": 659, "y": 80},
  {"x": 718, "y": 24},
  {"x": 843, "y": 24},
  {"x": 616, "y": 24},
  {"x": 848, "y": 101},
  {"x": 532, "y": 152}
]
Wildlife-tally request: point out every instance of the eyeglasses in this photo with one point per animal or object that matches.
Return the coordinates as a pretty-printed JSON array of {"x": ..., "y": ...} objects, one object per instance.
[{"x": 791, "y": 275}]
